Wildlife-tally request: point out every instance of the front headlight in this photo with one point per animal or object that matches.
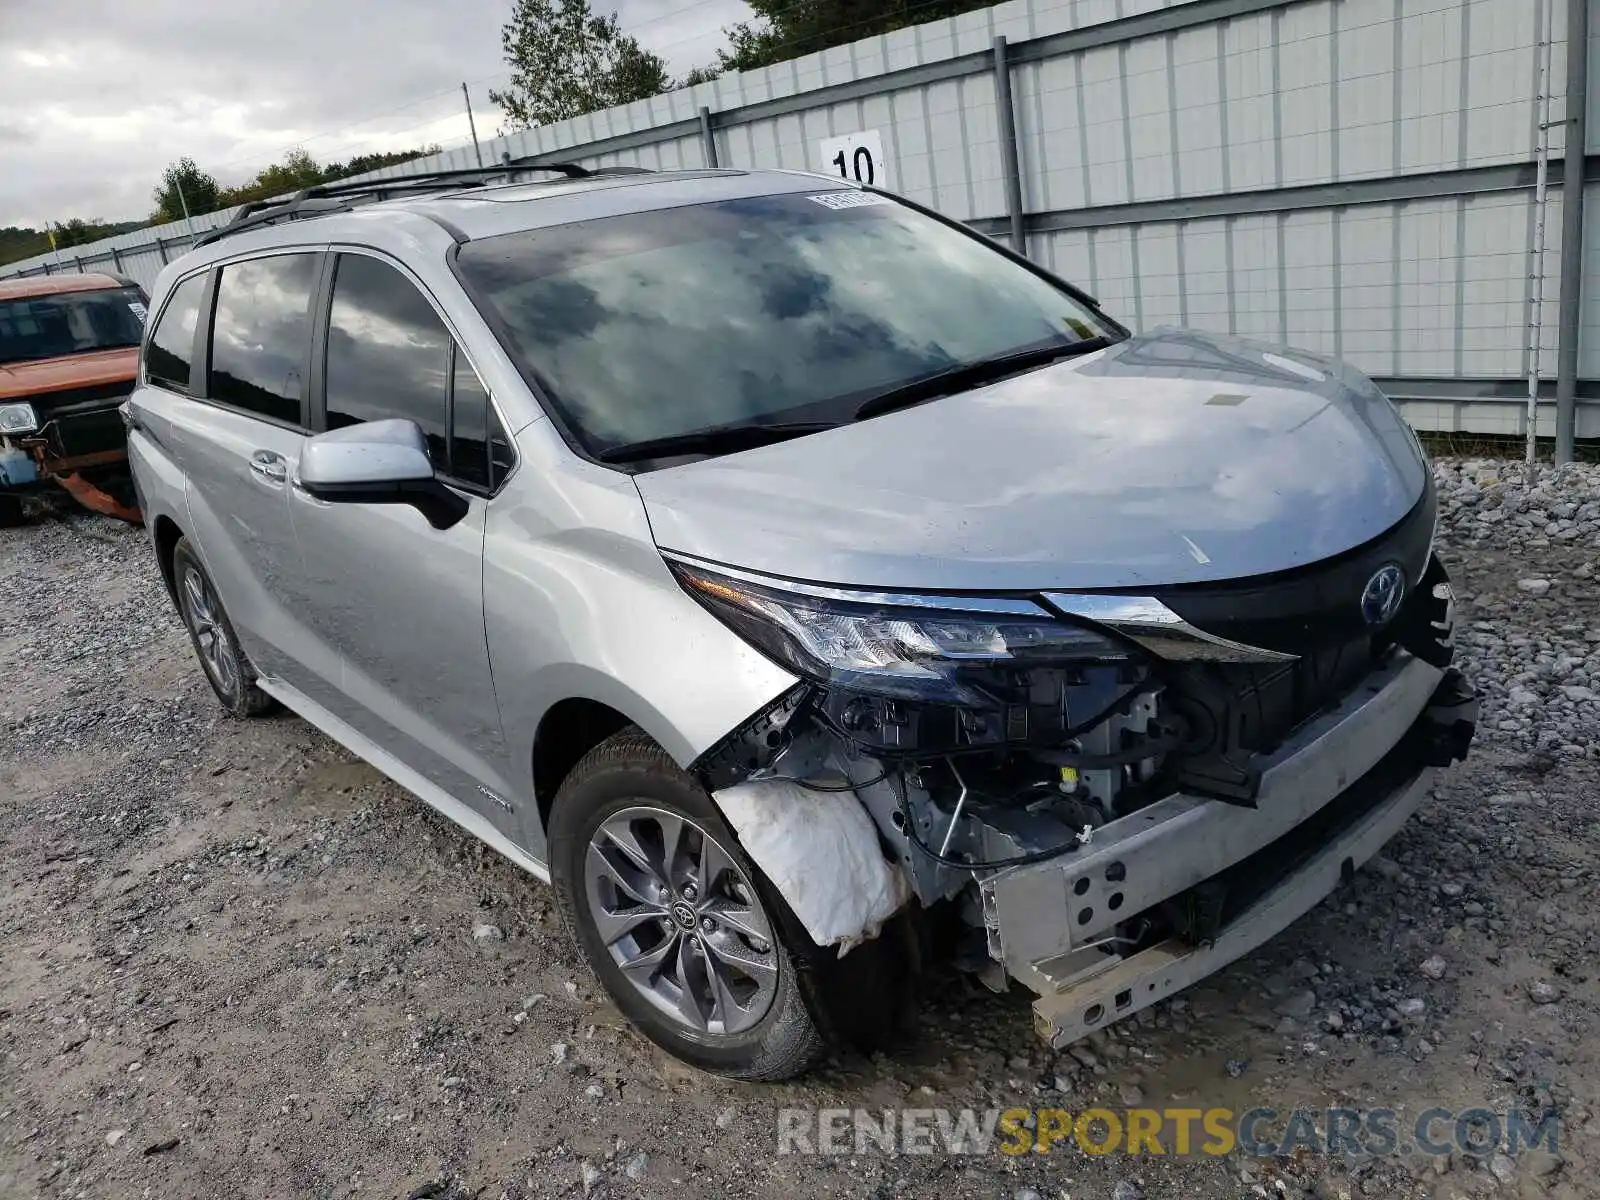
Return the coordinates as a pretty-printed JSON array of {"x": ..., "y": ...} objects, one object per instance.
[
  {"x": 944, "y": 649},
  {"x": 18, "y": 418}
]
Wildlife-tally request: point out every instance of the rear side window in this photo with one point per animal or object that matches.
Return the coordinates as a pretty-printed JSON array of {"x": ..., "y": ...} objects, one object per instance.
[
  {"x": 171, "y": 347},
  {"x": 261, "y": 335}
]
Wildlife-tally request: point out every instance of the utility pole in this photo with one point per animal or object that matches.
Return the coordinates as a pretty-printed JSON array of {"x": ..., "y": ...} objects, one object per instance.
[{"x": 471, "y": 124}]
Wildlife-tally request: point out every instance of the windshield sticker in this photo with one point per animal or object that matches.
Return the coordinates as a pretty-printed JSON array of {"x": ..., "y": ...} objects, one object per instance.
[
  {"x": 138, "y": 310},
  {"x": 837, "y": 200}
]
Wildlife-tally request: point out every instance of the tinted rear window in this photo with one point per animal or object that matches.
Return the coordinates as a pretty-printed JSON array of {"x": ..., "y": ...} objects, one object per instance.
[
  {"x": 778, "y": 307},
  {"x": 261, "y": 335},
  {"x": 171, "y": 347},
  {"x": 70, "y": 323}
]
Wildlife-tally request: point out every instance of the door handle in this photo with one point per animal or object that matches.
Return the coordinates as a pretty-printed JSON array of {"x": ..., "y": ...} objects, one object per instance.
[{"x": 266, "y": 465}]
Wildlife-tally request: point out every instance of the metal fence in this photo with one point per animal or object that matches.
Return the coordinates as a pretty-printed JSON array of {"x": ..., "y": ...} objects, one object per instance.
[{"x": 1352, "y": 176}]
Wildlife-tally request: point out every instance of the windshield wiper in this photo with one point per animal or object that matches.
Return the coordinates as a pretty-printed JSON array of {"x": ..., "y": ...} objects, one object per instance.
[
  {"x": 971, "y": 374},
  {"x": 721, "y": 439}
]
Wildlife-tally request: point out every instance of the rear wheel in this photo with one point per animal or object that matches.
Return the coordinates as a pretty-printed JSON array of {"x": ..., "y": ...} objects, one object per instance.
[
  {"x": 11, "y": 514},
  {"x": 227, "y": 668},
  {"x": 684, "y": 932}
]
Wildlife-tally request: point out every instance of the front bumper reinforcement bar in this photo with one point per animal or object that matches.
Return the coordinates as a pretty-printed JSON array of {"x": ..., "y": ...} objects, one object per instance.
[{"x": 1053, "y": 925}]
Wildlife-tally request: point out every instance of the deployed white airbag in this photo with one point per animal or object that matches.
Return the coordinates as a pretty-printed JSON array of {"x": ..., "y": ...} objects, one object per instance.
[{"x": 820, "y": 850}]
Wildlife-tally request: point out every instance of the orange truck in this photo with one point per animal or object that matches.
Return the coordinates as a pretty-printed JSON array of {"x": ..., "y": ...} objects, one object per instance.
[{"x": 69, "y": 356}]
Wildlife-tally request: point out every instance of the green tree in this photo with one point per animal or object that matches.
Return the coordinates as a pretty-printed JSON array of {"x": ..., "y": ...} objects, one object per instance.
[
  {"x": 78, "y": 232},
  {"x": 360, "y": 164},
  {"x": 565, "y": 62},
  {"x": 637, "y": 74},
  {"x": 297, "y": 170},
  {"x": 700, "y": 75},
  {"x": 786, "y": 29},
  {"x": 19, "y": 241},
  {"x": 199, "y": 191}
]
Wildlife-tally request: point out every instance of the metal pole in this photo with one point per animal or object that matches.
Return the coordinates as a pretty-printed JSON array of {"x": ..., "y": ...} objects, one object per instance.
[
  {"x": 1571, "y": 302},
  {"x": 708, "y": 138},
  {"x": 161, "y": 251},
  {"x": 183, "y": 203},
  {"x": 471, "y": 124},
  {"x": 1010, "y": 171},
  {"x": 1536, "y": 272}
]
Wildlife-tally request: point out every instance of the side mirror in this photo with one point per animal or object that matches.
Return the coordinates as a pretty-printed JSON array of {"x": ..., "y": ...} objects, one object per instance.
[{"x": 379, "y": 462}]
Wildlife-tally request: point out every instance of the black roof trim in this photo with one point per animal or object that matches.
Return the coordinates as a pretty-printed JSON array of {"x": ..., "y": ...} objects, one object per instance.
[{"x": 326, "y": 198}]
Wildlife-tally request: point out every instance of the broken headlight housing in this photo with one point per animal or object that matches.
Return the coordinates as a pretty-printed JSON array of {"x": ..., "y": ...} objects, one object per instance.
[
  {"x": 18, "y": 418},
  {"x": 926, "y": 673}
]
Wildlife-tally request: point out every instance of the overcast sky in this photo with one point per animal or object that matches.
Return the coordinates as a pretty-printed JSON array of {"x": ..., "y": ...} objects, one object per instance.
[{"x": 98, "y": 96}]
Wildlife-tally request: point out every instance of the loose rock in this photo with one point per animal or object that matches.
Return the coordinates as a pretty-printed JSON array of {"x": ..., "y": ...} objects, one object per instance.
[{"x": 1542, "y": 991}]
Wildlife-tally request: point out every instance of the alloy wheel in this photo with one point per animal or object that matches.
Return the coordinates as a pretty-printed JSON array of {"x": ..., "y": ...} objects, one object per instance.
[
  {"x": 681, "y": 920},
  {"x": 210, "y": 634}
]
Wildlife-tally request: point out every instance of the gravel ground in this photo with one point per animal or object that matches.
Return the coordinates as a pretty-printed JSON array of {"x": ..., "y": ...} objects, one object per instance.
[{"x": 236, "y": 962}]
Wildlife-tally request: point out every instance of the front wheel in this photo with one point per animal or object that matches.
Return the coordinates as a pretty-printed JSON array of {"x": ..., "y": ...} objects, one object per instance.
[{"x": 684, "y": 932}]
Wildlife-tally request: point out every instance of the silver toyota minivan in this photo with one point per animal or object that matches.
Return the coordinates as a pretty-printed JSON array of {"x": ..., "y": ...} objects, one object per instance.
[{"x": 803, "y": 584}]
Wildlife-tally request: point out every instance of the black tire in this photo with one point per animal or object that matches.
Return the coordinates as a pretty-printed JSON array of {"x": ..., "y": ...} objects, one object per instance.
[
  {"x": 224, "y": 662},
  {"x": 11, "y": 513},
  {"x": 627, "y": 771}
]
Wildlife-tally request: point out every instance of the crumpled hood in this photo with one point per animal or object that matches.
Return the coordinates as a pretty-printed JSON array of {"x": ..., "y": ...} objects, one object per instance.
[
  {"x": 1174, "y": 457},
  {"x": 39, "y": 377}
]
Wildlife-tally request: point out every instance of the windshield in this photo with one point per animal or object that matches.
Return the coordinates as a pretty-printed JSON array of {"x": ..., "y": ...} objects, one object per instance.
[
  {"x": 70, "y": 323},
  {"x": 786, "y": 308}
]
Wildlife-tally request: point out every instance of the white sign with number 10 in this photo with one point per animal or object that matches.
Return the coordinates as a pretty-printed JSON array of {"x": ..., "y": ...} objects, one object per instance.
[{"x": 855, "y": 156}]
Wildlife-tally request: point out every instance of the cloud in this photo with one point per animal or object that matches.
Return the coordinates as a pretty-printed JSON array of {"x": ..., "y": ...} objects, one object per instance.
[{"x": 102, "y": 96}]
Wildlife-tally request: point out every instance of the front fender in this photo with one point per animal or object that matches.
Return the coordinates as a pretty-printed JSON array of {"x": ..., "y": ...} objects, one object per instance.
[{"x": 579, "y": 604}]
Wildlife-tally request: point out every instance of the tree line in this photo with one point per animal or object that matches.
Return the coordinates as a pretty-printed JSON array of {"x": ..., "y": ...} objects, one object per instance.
[
  {"x": 184, "y": 187},
  {"x": 19, "y": 241},
  {"x": 186, "y": 190},
  {"x": 565, "y": 61}
]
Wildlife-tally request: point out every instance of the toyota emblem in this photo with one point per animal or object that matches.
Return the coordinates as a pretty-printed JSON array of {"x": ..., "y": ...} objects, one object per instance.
[{"x": 1380, "y": 601}]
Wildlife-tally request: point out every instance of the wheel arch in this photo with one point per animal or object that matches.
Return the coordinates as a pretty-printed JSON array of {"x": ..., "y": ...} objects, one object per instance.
[
  {"x": 166, "y": 533},
  {"x": 569, "y": 729}
]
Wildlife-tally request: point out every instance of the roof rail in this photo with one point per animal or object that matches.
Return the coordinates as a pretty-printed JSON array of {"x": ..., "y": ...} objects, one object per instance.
[{"x": 323, "y": 198}]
